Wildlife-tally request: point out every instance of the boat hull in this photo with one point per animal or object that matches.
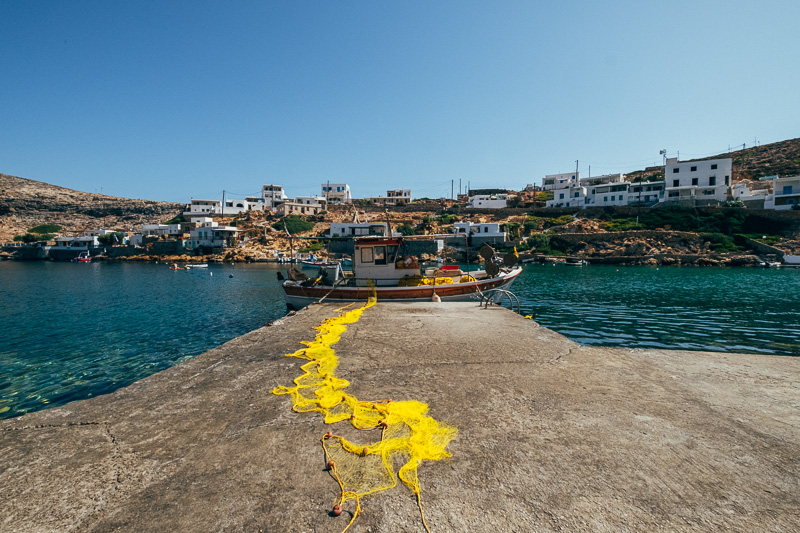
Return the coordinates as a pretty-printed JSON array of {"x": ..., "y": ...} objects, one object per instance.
[{"x": 298, "y": 296}]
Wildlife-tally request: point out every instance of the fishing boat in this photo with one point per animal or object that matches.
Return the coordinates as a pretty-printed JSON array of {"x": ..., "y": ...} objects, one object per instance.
[
  {"x": 317, "y": 262},
  {"x": 83, "y": 257},
  {"x": 383, "y": 265},
  {"x": 189, "y": 267}
]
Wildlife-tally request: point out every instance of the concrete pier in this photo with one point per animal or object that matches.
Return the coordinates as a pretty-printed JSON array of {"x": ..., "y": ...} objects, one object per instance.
[{"x": 552, "y": 436}]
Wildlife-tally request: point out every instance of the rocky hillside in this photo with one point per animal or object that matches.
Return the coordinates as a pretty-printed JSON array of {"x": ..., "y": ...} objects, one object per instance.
[
  {"x": 780, "y": 158},
  {"x": 28, "y": 203}
]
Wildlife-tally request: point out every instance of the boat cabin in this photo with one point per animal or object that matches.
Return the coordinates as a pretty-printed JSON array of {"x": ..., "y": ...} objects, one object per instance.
[{"x": 381, "y": 260}]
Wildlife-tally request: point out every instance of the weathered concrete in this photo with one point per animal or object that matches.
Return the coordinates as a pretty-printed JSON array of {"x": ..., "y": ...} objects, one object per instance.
[{"x": 552, "y": 436}]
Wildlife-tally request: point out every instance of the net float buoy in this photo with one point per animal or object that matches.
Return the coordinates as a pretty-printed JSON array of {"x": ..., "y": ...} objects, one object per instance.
[
  {"x": 383, "y": 424},
  {"x": 328, "y": 435},
  {"x": 337, "y": 510},
  {"x": 366, "y": 451},
  {"x": 331, "y": 465}
]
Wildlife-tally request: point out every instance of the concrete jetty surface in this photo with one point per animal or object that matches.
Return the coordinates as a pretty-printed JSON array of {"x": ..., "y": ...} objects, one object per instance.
[{"x": 552, "y": 436}]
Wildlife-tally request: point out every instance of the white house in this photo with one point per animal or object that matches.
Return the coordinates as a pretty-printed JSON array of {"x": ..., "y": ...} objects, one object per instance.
[
  {"x": 337, "y": 193},
  {"x": 697, "y": 180},
  {"x": 785, "y": 193},
  {"x": 84, "y": 242},
  {"x": 311, "y": 200},
  {"x": 88, "y": 240},
  {"x": 646, "y": 192},
  {"x": 160, "y": 230},
  {"x": 202, "y": 208},
  {"x": 355, "y": 229},
  {"x": 552, "y": 182},
  {"x": 299, "y": 208},
  {"x": 210, "y": 233},
  {"x": 250, "y": 203},
  {"x": 484, "y": 229},
  {"x": 392, "y": 197},
  {"x": 743, "y": 191},
  {"x": 489, "y": 201},
  {"x": 600, "y": 180},
  {"x": 399, "y": 194},
  {"x": 608, "y": 193},
  {"x": 569, "y": 197},
  {"x": 273, "y": 196}
]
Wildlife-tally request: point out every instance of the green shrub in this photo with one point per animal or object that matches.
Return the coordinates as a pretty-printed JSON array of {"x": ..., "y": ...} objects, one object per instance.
[
  {"x": 45, "y": 228},
  {"x": 33, "y": 237},
  {"x": 294, "y": 224},
  {"x": 405, "y": 229},
  {"x": 310, "y": 247},
  {"x": 721, "y": 243},
  {"x": 534, "y": 222},
  {"x": 621, "y": 224},
  {"x": 109, "y": 238}
]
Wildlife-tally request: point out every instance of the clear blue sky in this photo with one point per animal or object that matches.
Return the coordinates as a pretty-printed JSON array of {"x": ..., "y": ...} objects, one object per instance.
[{"x": 166, "y": 100}]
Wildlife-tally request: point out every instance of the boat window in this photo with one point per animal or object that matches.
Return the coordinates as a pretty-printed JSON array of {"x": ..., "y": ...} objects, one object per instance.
[
  {"x": 380, "y": 255},
  {"x": 366, "y": 255},
  {"x": 391, "y": 254}
]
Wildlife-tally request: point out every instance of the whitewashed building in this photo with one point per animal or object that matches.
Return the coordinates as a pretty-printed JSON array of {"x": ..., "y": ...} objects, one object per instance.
[
  {"x": 392, "y": 197},
  {"x": 646, "y": 192},
  {"x": 210, "y": 233},
  {"x": 697, "y": 180},
  {"x": 291, "y": 207},
  {"x": 484, "y": 229},
  {"x": 160, "y": 230},
  {"x": 272, "y": 196},
  {"x": 489, "y": 201},
  {"x": 337, "y": 193},
  {"x": 572, "y": 195},
  {"x": 785, "y": 194},
  {"x": 84, "y": 242},
  {"x": 552, "y": 182},
  {"x": 201, "y": 208},
  {"x": 609, "y": 193},
  {"x": 355, "y": 229}
]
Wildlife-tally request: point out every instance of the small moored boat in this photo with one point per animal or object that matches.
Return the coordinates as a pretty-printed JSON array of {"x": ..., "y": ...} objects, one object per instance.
[
  {"x": 83, "y": 257},
  {"x": 384, "y": 266}
]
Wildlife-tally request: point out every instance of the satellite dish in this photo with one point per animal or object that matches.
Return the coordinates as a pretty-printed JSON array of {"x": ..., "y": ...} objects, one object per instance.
[
  {"x": 510, "y": 260},
  {"x": 492, "y": 269},
  {"x": 486, "y": 251}
]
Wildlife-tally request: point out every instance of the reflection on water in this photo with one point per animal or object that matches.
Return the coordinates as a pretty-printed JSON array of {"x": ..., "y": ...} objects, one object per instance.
[
  {"x": 734, "y": 310},
  {"x": 70, "y": 331}
]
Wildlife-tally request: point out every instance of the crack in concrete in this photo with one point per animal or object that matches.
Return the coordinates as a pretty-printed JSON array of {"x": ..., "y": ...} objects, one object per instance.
[{"x": 51, "y": 426}]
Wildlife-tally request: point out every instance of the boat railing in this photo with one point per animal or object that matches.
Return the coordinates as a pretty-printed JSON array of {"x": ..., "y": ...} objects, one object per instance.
[{"x": 497, "y": 296}]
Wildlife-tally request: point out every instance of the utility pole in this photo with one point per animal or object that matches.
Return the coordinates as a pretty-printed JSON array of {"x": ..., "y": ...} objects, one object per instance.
[
  {"x": 451, "y": 189},
  {"x": 222, "y": 214},
  {"x": 459, "y": 186}
]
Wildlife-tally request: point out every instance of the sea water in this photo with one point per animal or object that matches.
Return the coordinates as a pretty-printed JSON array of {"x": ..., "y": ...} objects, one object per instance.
[{"x": 70, "y": 331}]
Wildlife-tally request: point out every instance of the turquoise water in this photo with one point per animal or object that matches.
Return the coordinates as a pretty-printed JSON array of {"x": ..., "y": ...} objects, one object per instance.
[
  {"x": 734, "y": 310},
  {"x": 71, "y": 331}
]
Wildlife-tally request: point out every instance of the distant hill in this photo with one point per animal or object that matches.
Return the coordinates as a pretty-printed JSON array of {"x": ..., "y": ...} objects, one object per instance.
[{"x": 26, "y": 203}]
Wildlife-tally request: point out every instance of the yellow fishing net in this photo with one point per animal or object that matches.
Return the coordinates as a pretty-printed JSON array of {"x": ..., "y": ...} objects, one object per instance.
[
  {"x": 419, "y": 280},
  {"x": 407, "y": 435}
]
